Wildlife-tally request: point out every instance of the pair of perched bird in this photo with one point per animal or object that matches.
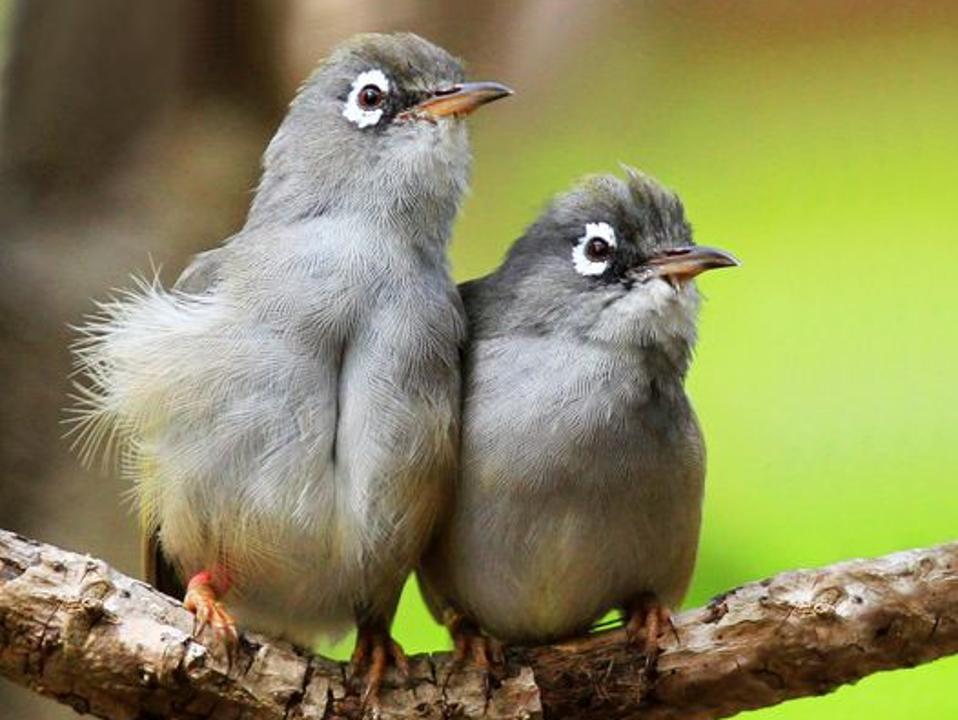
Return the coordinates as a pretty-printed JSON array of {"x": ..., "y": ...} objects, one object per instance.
[{"x": 313, "y": 411}]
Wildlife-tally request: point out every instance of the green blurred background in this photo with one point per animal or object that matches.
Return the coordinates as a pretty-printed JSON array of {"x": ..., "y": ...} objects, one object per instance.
[{"x": 818, "y": 141}]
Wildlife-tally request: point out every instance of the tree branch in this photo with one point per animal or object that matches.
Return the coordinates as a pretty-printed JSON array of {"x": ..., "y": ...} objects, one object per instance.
[{"x": 82, "y": 633}]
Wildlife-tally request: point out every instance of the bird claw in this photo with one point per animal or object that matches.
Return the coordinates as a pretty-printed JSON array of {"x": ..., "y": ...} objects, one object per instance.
[
  {"x": 374, "y": 653},
  {"x": 471, "y": 644},
  {"x": 646, "y": 623},
  {"x": 210, "y": 612}
]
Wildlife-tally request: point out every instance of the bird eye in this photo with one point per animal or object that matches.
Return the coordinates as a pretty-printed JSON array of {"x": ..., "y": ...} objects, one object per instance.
[
  {"x": 370, "y": 97},
  {"x": 597, "y": 249},
  {"x": 592, "y": 252},
  {"x": 364, "y": 106}
]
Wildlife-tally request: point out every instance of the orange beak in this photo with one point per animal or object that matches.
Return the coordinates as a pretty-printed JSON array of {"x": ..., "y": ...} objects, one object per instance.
[
  {"x": 678, "y": 265},
  {"x": 458, "y": 101}
]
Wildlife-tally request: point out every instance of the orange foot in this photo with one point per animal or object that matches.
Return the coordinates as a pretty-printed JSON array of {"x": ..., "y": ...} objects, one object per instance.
[
  {"x": 375, "y": 651},
  {"x": 647, "y": 620},
  {"x": 469, "y": 642},
  {"x": 203, "y": 600}
]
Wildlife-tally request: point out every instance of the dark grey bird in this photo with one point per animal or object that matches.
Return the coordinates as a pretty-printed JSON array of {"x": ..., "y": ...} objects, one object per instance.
[
  {"x": 289, "y": 411},
  {"x": 582, "y": 467}
]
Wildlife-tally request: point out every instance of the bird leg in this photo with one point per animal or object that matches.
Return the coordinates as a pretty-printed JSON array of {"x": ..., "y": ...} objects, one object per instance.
[
  {"x": 203, "y": 598},
  {"x": 469, "y": 642},
  {"x": 375, "y": 651},
  {"x": 646, "y": 621}
]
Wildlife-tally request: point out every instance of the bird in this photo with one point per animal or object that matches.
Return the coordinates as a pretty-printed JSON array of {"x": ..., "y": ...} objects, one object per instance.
[
  {"x": 582, "y": 464},
  {"x": 288, "y": 411}
]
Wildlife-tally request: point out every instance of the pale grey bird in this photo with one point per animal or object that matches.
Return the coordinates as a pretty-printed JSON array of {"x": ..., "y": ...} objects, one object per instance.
[
  {"x": 582, "y": 463},
  {"x": 289, "y": 411}
]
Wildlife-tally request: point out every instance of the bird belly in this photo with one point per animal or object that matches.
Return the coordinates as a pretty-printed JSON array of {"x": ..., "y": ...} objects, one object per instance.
[
  {"x": 305, "y": 560},
  {"x": 552, "y": 571},
  {"x": 289, "y": 575},
  {"x": 576, "y": 493}
]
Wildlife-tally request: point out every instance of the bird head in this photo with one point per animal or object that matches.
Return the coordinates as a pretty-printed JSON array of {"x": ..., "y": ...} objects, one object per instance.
[
  {"x": 611, "y": 261},
  {"x": 378, "y": 130}
]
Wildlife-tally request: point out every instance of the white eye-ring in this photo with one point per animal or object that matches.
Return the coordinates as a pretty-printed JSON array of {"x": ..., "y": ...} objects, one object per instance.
[
  {"x": 364, "y": 105},
  {"x": 592, "y": 252}
]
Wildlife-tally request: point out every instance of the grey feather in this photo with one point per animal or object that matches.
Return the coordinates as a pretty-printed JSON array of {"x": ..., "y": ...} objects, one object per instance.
[
  {"x": 582, "y": 465},
  {"x": 290, "y": 408},
  {"x": 201, "y": 274}
]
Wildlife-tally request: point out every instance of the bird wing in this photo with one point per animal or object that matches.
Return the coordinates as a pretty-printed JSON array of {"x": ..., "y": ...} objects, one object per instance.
[{"x": 214, "y": 394}]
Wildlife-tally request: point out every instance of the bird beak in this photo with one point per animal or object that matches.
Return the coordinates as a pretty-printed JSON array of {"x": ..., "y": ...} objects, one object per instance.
[
  {"x": 458, "y": 100},
  {"x": 677, "y": 265}
]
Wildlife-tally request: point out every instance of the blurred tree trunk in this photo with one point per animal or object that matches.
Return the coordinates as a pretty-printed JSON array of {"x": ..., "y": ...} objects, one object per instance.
[{"x": 128, "y": 129}]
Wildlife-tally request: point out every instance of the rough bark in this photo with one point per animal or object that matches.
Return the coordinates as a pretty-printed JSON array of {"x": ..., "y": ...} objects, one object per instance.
[{"x": 74, "y": 629}]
